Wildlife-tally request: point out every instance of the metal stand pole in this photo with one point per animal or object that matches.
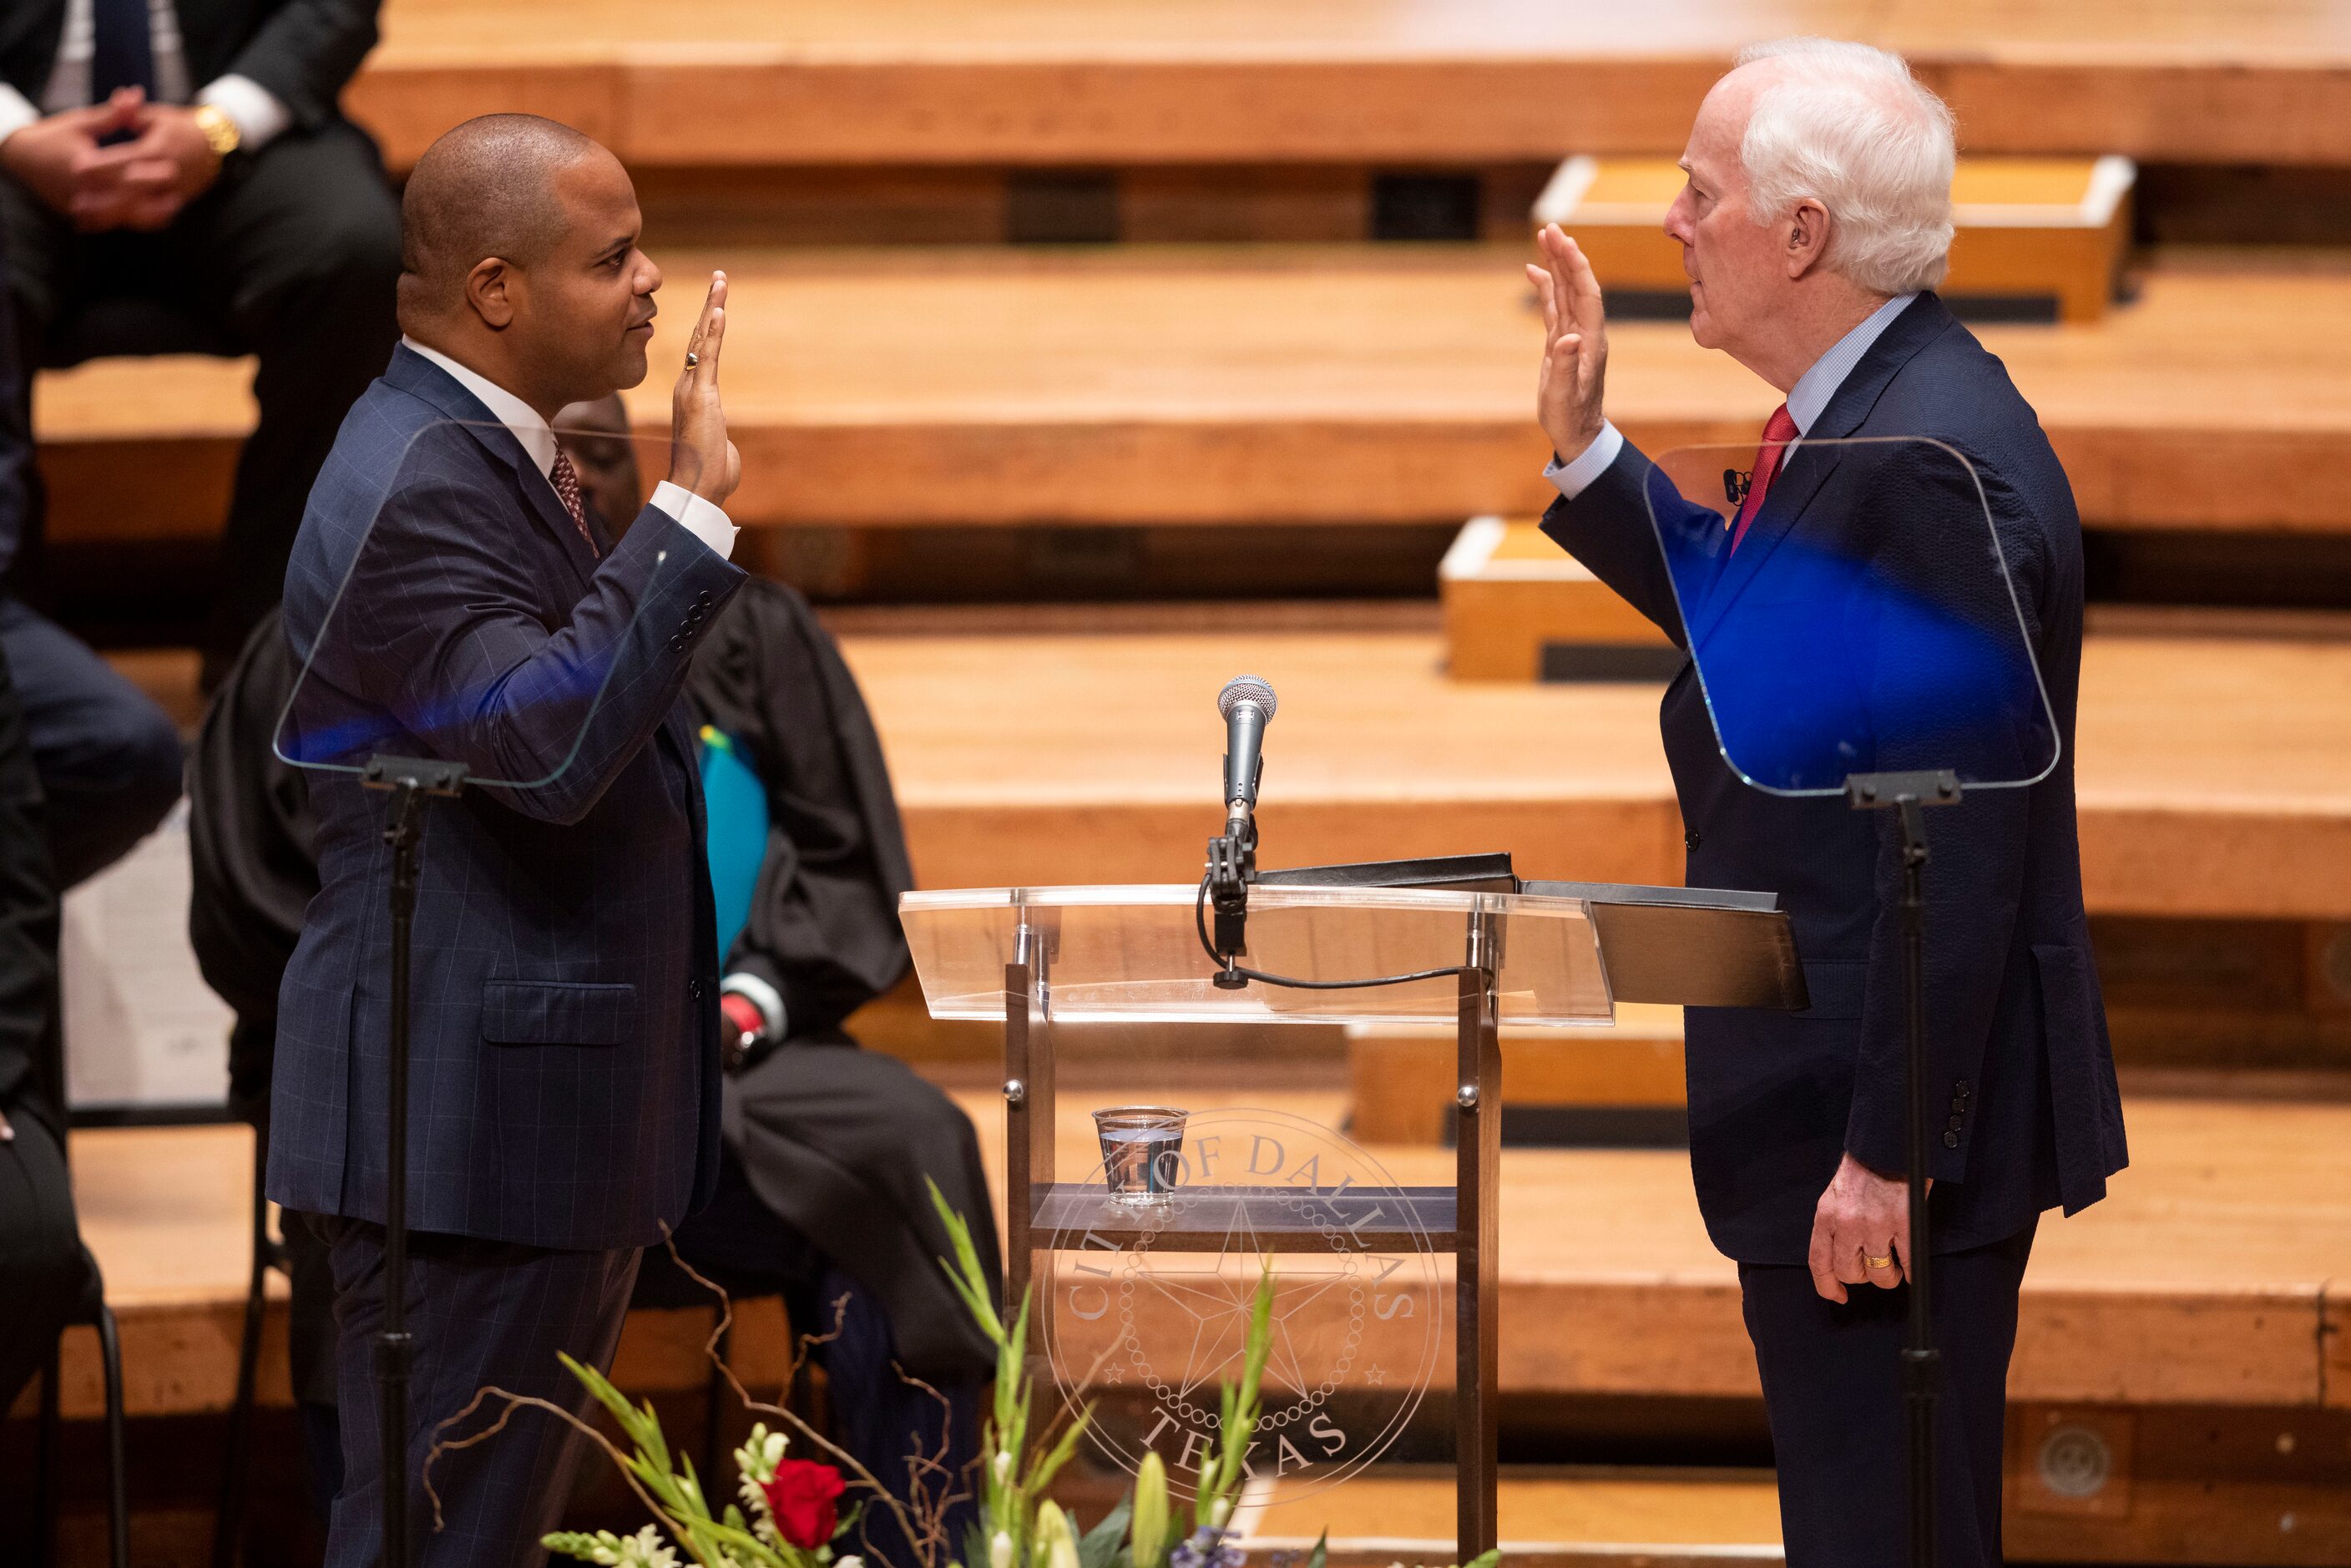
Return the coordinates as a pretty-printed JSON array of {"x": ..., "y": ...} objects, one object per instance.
[
  {"x": 1478, "y": 1155},
  {"x": 1921, "y": 1361},
  {"x": 411, "y": 780},
  {"x": 1907, "y": 795}
]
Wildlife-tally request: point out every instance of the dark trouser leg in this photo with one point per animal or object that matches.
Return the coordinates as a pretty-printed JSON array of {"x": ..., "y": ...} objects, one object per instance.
[
  {"x": 109, "y": 759},
  {"x": 310, "y": 1348},
  {"x": 299, "y": 256},
  {"x": 886, "y": 1421},
  {"x": 1832, "y": 1387},
  {"x": 43, "y": 1272},
  {"x": 482, "y": 1312}
]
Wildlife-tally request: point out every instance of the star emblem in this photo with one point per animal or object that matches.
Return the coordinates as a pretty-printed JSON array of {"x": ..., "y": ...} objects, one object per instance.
[
  {"x": 1374, "y": 1374},
  {"x": 1217, "y": 1298}
]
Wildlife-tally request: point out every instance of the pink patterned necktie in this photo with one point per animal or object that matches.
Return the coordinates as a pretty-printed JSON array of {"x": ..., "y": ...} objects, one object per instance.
[
  {"x": 566, "y": 480},
  {"x": 1778, "y": 431}
]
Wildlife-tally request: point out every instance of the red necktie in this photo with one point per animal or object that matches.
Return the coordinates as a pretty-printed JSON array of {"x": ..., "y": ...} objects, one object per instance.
[
  {"x": 1778, "y": 431},
  {"x": 566, "y": 480}
]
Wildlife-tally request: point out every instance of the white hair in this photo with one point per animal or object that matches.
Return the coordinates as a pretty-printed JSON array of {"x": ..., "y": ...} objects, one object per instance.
[{"x": 1849, "y": 126}]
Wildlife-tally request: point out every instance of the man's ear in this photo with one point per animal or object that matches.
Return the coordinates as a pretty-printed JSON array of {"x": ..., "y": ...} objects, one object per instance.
[
  {"x": 1807, "y": 230},
  {"x": 488, "y": 289}
]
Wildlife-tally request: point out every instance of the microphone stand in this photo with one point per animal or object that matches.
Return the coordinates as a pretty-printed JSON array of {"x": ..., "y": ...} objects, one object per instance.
[
  {"x": 410, "y": 781},
  {"x": 1907, "y": 795},
  {"x": 1232, "y": 866}
]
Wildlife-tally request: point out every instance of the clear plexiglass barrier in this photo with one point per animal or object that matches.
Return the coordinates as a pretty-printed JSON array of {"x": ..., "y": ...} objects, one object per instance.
[
  {"x": 1853, "y": 608},
  {"x": 445, "y": 604},
  {"x": 1133, "y": 955}
]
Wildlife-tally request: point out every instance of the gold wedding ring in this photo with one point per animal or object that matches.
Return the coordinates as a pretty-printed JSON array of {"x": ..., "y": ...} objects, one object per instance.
[{"x": 1869, "y": 1263}]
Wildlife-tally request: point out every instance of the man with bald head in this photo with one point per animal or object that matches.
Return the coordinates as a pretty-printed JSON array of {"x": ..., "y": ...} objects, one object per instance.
[
  {"x": 455, "y": 600},
  {"x": 1814, "y": 226}
]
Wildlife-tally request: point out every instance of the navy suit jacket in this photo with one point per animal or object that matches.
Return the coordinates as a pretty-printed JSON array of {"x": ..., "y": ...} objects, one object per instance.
[
  {"x": 2025, "y": 1112},
  {"x": 564, "y": 1067}
]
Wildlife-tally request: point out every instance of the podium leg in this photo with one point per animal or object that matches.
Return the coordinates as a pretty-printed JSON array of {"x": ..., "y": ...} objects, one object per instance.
[{"x": 1477, "y": 1150}]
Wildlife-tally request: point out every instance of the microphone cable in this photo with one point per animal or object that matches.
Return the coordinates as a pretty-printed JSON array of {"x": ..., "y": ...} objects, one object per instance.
[{"x": 1200, "y": 923}]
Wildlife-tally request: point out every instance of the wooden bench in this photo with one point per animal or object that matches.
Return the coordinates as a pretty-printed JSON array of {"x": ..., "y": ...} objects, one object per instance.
[
  {"x": 1313, "y": 384},
  {"x": 1205, "y": 81},
  {"x": 2030, "y": 229}
]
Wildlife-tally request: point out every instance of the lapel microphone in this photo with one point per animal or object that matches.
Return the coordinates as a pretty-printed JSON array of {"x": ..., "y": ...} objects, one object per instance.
[{"x": 1736, "y": 484}]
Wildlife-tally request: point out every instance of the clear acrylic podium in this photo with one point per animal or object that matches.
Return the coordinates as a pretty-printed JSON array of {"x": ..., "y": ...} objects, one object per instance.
[{"x": 1034, "y": 958}]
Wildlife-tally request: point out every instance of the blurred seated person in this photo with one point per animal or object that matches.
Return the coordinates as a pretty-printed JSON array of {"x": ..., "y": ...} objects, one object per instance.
[
  {"x": 107, "y": 758},
  {"x": 44, "y": 1270},
  {"x": 825, "y": 1146},
  {"x": 186, "y": 159}
]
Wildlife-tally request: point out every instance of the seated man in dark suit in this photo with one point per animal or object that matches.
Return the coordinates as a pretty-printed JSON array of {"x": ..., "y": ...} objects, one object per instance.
[
  {"x": 109, "y": 759},
  {"x": 1813, "y": 227},
  {"x": 191, "y": 153},
  {"x": 820, "y": 1194}
]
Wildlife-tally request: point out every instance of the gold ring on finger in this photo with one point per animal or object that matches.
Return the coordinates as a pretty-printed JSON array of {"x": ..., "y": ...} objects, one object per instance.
[{"x": 1869, "y": 1263}]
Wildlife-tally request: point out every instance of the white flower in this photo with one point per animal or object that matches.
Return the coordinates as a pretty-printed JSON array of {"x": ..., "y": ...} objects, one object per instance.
[
  {"x": 1218, "y": 1512},
  {"x": 999, "y": 1551},
  {"x": 1003, "y": 1466},
  {"x": 759, "y": 1457},
  {"x": 646, "y": 1549},
  {"x": 852, "y": 1561}
]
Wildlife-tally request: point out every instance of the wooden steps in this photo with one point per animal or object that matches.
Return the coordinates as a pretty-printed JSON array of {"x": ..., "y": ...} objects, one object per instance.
[
  {"x": 2030, "y": 229},
  {"x": 1306, "y": 384},
  {"x": 1205, "y": 81},
  {"x": 1553, "y": 1516},
  {"x": 2202, "y": 1279},
  {"x": 1079, "y": 756}
]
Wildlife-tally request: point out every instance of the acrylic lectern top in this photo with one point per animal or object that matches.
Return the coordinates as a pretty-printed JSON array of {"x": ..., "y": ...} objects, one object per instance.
[{"x": 1132, "y": 954}]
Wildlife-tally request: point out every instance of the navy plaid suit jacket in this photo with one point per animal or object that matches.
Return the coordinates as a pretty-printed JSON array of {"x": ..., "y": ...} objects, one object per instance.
[{"x": 564, "y": 1055}]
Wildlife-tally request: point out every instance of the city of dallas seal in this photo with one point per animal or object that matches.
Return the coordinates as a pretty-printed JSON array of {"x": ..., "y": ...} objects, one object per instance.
[{"x": 1145, "y": 1310}]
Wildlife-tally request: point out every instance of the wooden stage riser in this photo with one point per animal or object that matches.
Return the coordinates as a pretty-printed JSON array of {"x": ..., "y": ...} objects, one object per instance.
[
  {"x": 2218, "y": 1348},
  {"x": 760, "y": 110},
  {"x": 2135, "y": 860},
  {"x": 1208, "y": 471}
]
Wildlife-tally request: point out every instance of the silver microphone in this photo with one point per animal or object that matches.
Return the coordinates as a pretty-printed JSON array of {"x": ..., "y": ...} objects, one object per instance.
[{"x": 1247, "y": 705}]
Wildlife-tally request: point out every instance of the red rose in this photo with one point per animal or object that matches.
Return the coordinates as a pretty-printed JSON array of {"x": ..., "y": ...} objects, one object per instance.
[{"x": 801, "y": 1498}]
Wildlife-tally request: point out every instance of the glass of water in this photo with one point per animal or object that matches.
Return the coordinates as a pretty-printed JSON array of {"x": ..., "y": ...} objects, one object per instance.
[{"x": 1142, "y": 1153}]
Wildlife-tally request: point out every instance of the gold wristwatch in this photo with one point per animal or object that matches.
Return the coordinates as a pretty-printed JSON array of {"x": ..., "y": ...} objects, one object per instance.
[{"x": 221, "y": 133}]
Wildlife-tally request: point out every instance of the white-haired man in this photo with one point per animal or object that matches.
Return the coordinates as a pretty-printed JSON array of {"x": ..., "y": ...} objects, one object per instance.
[{"x": 1813, "y": 227}]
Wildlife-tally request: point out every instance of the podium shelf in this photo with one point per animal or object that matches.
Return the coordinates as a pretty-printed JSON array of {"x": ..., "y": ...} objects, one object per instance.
[
  {"x": 1132, "y": 954},
  {"x": 1071, "y": 1215}
]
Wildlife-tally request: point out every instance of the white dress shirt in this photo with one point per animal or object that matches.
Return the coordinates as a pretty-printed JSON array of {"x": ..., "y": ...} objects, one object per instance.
[
  {"x": 1807, "y": 399},
  {"x": 253, "y": 109},
  {"x": 696, "y": 516}
]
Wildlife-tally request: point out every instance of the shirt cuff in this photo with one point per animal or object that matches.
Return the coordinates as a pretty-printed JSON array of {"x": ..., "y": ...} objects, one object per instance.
[
  {"x": 251, "y": 107},
  {"x": 1572, "y": 479},
  {"x": 697, "y": 517},
  {"x": 760, "y": 994},
  {"x": 16, "y": 111}
]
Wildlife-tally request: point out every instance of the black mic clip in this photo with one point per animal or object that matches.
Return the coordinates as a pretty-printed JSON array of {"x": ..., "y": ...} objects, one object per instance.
[
  {"x": 1736, "y": 484},
  {"x": 1232, "y": 866}
]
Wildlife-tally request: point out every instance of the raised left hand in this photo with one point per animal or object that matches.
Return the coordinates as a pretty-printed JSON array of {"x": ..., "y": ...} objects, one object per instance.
[
  {"x": 144, "y": 182},
  {"x": 1863, "y": 1217}
]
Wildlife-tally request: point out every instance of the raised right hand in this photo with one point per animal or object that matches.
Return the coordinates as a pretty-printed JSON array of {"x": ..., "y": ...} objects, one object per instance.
[
  {"x": 1575, "y": 345},
  {"x": 701, "y": 457}
]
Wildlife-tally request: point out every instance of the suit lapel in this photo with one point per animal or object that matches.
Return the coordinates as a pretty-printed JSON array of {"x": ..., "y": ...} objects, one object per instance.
[
  {"x": 413, "y": 373},
  {"x": 1809, "y": 467}
]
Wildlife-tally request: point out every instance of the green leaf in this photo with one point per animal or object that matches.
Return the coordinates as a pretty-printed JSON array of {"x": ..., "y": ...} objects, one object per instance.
[
  {"x": 1486, "y": 1559},
  {"x": 965, "y": 1274},
  {"x": 1321, "y": 1555},
  {"x": 1050, "y": 1466},
  {"x": 1099, "y": 1545}
]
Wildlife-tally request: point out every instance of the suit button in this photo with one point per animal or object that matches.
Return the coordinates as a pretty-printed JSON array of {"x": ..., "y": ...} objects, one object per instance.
[
  {"x": 1957, "y": 1123},
  {"x": 1690, "y": 839},
  {"x": 1950, "y": 1139},
  {"x": 703, "y": 598},
  {"x": 694, "y": 989},
  {"x": 1960, "y": 1088},
  {"x": 1959, "y": 1106}
]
